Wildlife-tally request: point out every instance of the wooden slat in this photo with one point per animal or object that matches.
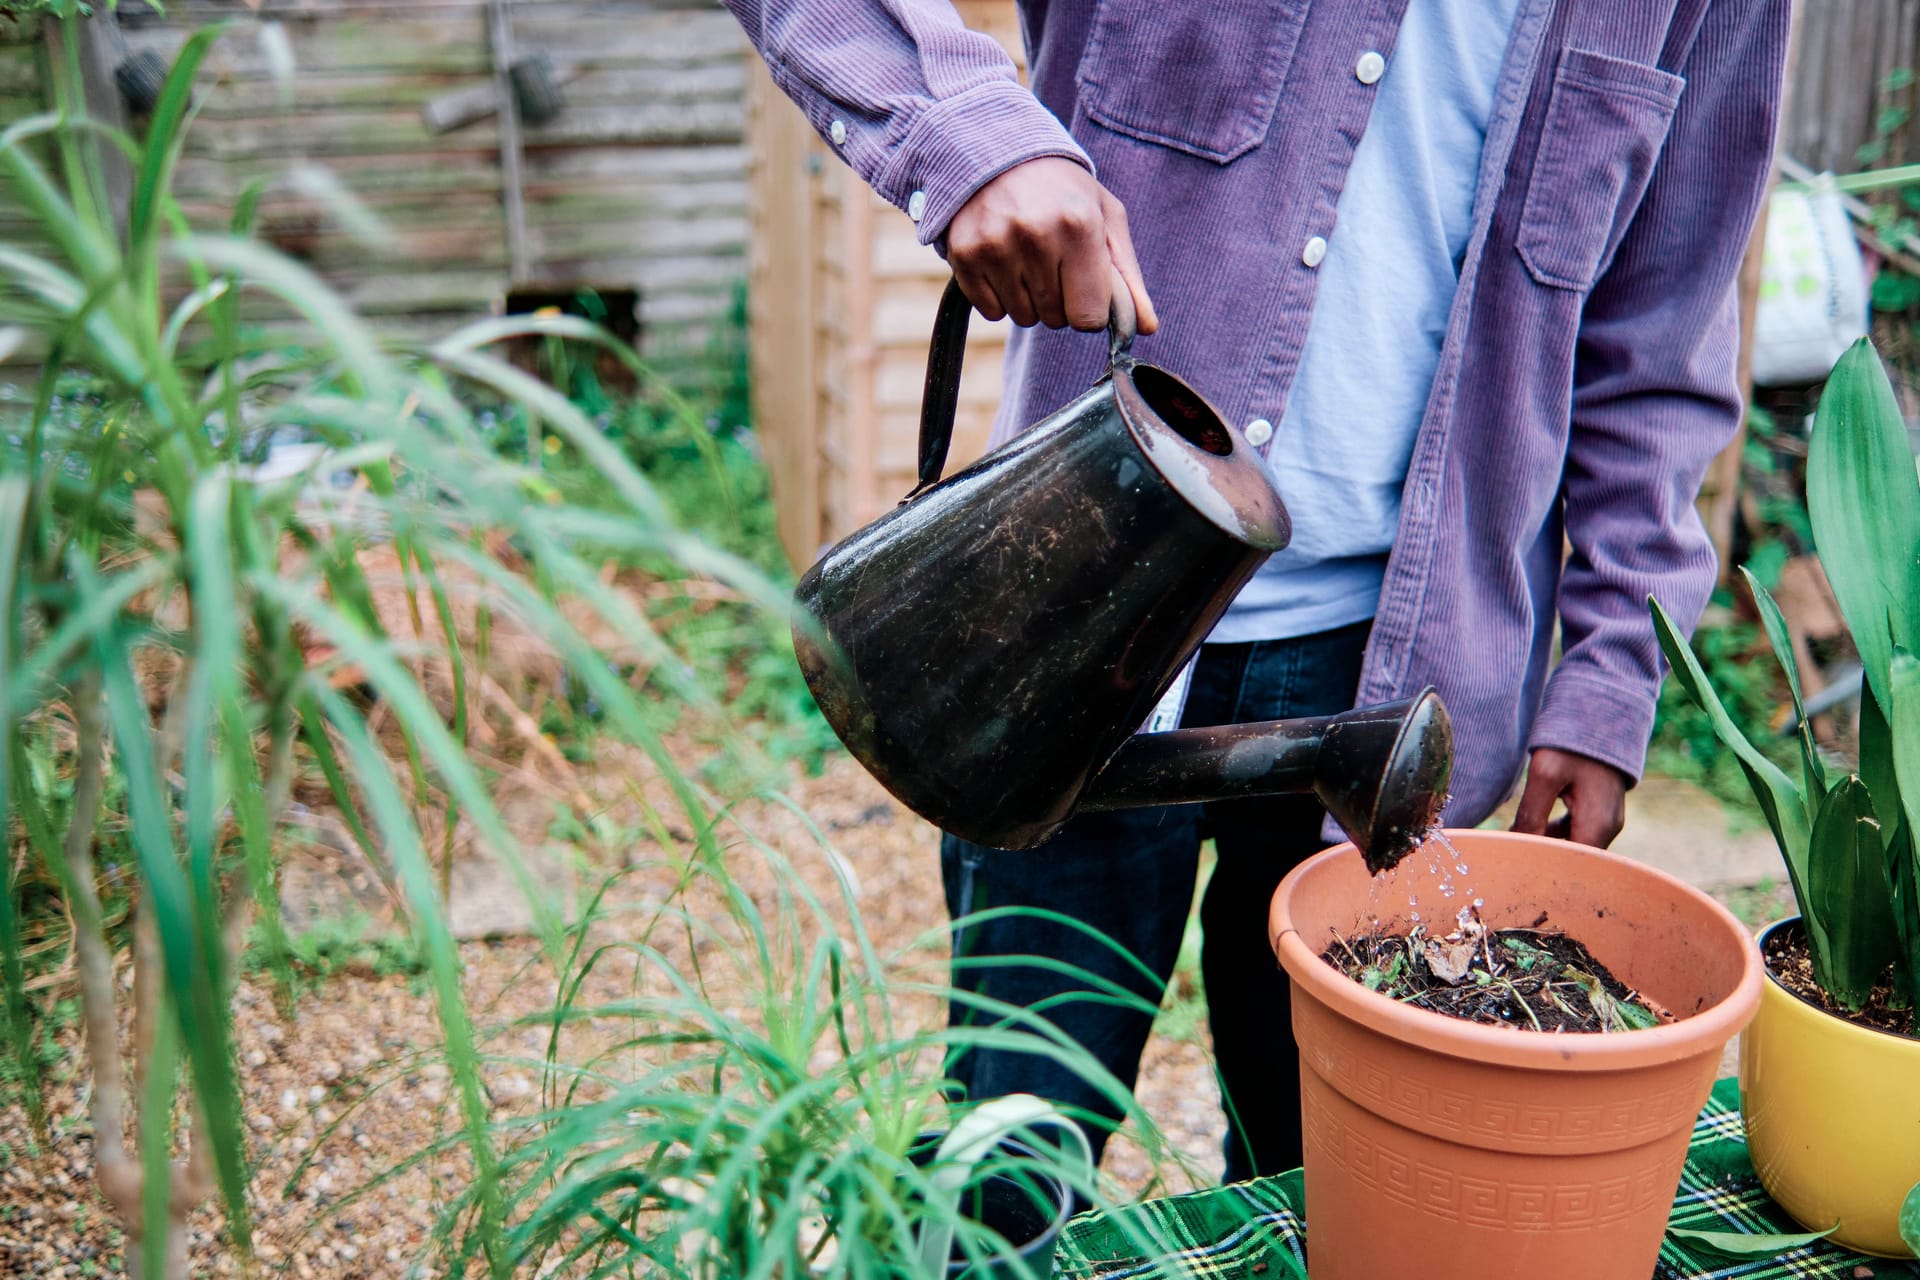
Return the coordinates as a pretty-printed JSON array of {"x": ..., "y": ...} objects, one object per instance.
[
  {"x": 20, "y": 71},
  {"x": 866, "y": 300},
  {"x": 1846, "y": 50},
  {"x": 780, "y": 303},
  {"x": 453, "y": 41}
]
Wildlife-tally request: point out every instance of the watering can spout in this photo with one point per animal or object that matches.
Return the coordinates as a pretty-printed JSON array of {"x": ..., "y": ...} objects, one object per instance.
[{"x": 1380, "y": 771}]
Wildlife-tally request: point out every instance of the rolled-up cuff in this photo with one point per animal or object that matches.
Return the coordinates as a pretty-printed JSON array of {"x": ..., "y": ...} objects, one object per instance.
[
  {"x": 1597, "y": 717},
  {"x": 962, "y": 143}
]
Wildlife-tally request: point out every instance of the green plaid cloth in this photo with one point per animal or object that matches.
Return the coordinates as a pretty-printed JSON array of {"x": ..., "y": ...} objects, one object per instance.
[{"x": 1258, "y": 1229}]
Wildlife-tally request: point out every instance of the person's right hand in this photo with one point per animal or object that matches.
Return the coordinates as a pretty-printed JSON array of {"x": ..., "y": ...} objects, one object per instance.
[{"x": 1041, "y": 243}]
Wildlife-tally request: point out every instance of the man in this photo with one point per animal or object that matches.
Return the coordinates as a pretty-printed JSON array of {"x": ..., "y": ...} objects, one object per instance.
[{"x": 1462, "y": 270}]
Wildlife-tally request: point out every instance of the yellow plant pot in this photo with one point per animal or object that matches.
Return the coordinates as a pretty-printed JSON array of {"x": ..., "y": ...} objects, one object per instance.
[{"x": 1833, "y": 1118}]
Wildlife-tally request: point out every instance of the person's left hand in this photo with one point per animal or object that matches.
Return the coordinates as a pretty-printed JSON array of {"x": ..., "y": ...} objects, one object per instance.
[{"x": 1596, "y": 796}]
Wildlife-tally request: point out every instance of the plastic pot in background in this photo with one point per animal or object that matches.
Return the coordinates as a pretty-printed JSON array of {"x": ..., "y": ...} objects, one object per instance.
[
  {"x": 1027, "y": 1206},
  {"x": 1833, "y": 1117},
  {"x": 1451, "y": 1151}
]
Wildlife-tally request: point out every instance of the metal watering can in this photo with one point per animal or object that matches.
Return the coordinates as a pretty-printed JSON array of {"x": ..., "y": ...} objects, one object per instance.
[{"x": 989, "y": 648}]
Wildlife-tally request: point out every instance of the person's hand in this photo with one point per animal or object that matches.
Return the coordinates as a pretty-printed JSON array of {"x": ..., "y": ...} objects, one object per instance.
[
  {"x": 1596, "y": 796},
  {"x": 1041, "y": 243}
]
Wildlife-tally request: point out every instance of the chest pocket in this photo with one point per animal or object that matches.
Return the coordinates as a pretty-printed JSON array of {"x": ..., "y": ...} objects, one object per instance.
[
  {"x": 1199, "y": 77},
  {"x": 1606, "y": 121}
]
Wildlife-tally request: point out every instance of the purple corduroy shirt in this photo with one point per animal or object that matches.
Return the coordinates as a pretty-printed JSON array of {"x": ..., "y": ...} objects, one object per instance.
[{"x": 1586, "y": 378}]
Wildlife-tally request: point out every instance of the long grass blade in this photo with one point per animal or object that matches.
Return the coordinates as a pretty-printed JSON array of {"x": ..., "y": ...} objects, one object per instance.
[
  {"x": 13, "y": 973},
  {"x": 409, "y": 859},
  {"x": 156, "y": 1149},
  {"x": 396, "y": 684},
  {"x": 192, "y": 989},
  {"x": 165, "y": 137}
]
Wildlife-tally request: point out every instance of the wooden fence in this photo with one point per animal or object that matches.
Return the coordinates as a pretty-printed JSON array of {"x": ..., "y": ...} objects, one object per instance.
[
  {"x": 1852, "y": 73},
  {"x": 639, "y": 184}
]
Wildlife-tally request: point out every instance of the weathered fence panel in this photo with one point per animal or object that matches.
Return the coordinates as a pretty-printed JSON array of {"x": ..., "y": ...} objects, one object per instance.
[{"x": 1849, "y": 67}]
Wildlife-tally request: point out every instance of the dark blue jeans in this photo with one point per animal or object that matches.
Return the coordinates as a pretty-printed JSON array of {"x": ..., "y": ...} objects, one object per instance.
[{"x": 1130, "y": 875}]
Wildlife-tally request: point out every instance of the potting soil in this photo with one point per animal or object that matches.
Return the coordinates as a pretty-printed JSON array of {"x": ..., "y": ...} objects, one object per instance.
[
  {"x": 1529, "y": 979},
  {"x": 1789, "y": 961}
]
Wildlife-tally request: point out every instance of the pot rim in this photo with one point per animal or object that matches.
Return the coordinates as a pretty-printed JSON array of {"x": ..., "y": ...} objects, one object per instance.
[
  {"x": 1761, "y": 941},
  {"x": 1711, "y": 1028},
  {"x": 1055, "y": 1225}
]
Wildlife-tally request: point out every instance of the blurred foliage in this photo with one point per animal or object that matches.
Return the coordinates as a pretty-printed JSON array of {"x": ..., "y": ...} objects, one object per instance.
[{"x": 1685, "y": 745}]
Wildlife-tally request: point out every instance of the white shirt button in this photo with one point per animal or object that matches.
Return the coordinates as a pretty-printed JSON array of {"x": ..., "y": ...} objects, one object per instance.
[
  {"x": 916, "y": 205},
  {"x": 1259, "y": 431},
  {"x": 1316, "y": 249},
  {"x": 1370, "y": 67},
  {"x": 838, "y": 132}
]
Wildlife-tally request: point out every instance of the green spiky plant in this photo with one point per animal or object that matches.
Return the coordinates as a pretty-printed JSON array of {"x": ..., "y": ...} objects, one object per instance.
[
  {"x": 160, "y": 603},
  {"x": 770, "y": 1131},
  {"x": 1849, "y": 838}
]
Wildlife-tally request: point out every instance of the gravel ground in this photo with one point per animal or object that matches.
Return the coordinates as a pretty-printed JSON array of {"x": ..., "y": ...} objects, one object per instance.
[{"x": 335, "y": 1099}]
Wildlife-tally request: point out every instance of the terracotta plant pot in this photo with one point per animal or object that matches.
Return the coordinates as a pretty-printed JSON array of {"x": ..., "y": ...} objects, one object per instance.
[
  {"x": 1451, "y": 1151},
  {"x": 1833, "y": 1118}
]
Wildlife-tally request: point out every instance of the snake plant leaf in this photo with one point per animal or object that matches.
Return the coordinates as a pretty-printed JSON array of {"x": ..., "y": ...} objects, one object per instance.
[
  {"x": 1864, "y": 502},
  {"x": 1877, "y": 767},
  {"x": 1742, "y": 1244},
  {"x": 1910, "y": 1220},
  {"x": 1851, "y": 896},
  {"x": 1903, "y": 738},
  {"x": 1903, "y": 873},
  {"x": 1782, "y": 641},
  {"x": 1783, "y": 803}
]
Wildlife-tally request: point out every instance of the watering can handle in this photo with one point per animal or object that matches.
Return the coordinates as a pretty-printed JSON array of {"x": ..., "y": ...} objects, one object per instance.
[{"x": 942, "y": 395}]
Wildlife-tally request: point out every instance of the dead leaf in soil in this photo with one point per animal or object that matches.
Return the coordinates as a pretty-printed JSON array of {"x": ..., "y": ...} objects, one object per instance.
[{"x": 1450, "y": 958}]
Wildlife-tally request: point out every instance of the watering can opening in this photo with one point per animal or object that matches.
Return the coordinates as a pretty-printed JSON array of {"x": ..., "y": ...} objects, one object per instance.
[
  {"x": 988, "y": 648},
  {"x": 1174, "y": 403}
]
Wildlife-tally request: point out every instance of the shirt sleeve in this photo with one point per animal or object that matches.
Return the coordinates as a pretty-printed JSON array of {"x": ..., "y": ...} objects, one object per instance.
[
  {"x": 928, "y": 110},
  {"x": 1655, "y": 396}
]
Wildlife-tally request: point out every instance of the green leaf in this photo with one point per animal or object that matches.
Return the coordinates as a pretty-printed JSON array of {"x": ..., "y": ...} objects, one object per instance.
[
  {"x": 1782, "y": 802},
  {"x": 205, "y": 1021},
  {"x": 1910, "y": 1220},
  {"x": 166, "y": 134},
  {"x": 1864, "y": 500},
  {"x": 13, "y": 973},
  {"x": 1878, "y": 768},
  {"x": 401, "y": 843},
  {"x": 1636, "y": 1015},
  {"x": 1903, "y": 872},
  {"x": 1903, "y": 737},
  {"x": 1605, "y": 1007},
  {"x": 156, "y": 1147},
  {"x": 1741, "y": 1244},
  {"x": 1851, "y": 896},
  {"x": 1895, "y": 290},
  {"x": 1782, "y": 642}
]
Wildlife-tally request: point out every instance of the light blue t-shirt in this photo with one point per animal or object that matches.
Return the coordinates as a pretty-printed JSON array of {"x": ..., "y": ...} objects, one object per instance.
[{"x": 1392, "y": 265}]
